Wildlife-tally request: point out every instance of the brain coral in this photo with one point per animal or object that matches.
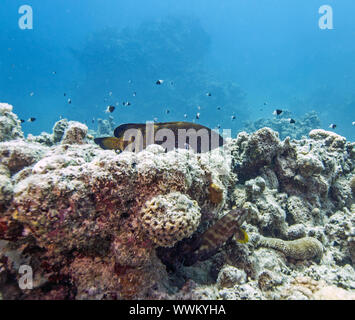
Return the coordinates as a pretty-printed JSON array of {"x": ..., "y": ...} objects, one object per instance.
[{"x": 167, "y": 219}]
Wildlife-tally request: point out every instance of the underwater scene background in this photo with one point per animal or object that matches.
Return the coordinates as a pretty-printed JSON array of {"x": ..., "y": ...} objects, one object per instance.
[
  {"x": 252, "y": 56},
  {"x": 266, "y": 213}
]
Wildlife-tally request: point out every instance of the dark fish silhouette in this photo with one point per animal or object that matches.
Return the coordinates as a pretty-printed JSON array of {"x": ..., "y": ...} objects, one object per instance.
[
  {"x": 110, "y": 109},
  {"x": 170, "y": 135}
]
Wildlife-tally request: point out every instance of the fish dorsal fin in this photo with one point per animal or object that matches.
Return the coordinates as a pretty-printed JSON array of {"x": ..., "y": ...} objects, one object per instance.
[
  {"x": 119, "y": 131},
  {"x": 181, "y": 125}
]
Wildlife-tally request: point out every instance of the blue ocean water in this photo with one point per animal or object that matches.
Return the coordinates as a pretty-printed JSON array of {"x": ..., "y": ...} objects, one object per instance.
[{"x": 251, "y": 56}]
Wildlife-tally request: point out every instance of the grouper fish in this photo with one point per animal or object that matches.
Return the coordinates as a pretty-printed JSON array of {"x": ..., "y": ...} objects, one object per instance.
[
  {"x": 170, "y": 135},
  {"x": 225, "y": 228},
  {"x": 207, "y": 244}
]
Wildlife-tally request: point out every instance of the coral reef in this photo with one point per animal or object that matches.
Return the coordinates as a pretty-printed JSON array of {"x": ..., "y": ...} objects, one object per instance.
[
  {"x": 282, "y": 125},
  {"x": 306, "y": 288},
  {"x": 75, "y": 133},
  {"x": 169, "y": 218},
  {"x": 105, "y": 127},
  {"x": 304, "y": 248},
  {"x": 10, "y": 125},
  {"x": 59, "y": 129},
  {"x": 94, "y": 224}
]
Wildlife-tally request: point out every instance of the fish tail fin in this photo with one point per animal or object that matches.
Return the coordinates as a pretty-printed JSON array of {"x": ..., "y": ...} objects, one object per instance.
[
  {"x": 242, "y": 236},
  {"x": 108, "y": 143}
]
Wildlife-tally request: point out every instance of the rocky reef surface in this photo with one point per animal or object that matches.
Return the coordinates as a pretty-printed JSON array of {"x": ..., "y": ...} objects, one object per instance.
[{"x": 93, "y": 224}]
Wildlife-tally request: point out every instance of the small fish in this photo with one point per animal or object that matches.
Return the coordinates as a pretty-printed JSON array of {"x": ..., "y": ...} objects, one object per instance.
[
  {"x": 69, "y": 101},
  {"x": 265, "y": 103},
  {"x": 198, "y": 107},
  {"x": 218, "y": 126},
  {"x": 167, "y": 111},
  {"x": 291, "y": 120},
  {"x": 155, "y": 119},
  {"x": 22, "y": 121},
  {"x": 159, "y": 82},
  {"x": 218, "y": 108},
  {"x": 218, "y": 234},
  {"x": 93, "y": 120},
  {"x": 31, "y": 119},
  {"x": 204, "y": 140},
  {"x": 110, "y": 93},
  {"x": 65, "y": 94},
  {"x": 134, "y": 94},
  {"x": 198, "y": 115},
  {"x": 172, "y": 83},
  {"x": 110, "y": 109},
  {"x": 185, "y": 116},
  {"x": 353, "y": 123},
  {"x": 54, "y": 72},
  {"x": 233, "y": 117},
  {"x": 32, "y": 94},
  {"x": 277, "y": 112},
  {"x": 128, "y": 103},
  {"x": 332, "y": 126},
  {"x": 208, "y": 94}
]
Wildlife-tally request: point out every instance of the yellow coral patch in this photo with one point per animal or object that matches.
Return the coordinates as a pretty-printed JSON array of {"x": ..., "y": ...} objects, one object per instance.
[{"x": 216, "y": 193}]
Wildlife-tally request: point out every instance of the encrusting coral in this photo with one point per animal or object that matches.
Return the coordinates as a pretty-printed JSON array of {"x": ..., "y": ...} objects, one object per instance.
[
  {"x": 352, "y": 184},
  {"x": 304, "y": 248},
  {"x": 216, "y": 193},
  {"x": 10, "y": 125}
]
